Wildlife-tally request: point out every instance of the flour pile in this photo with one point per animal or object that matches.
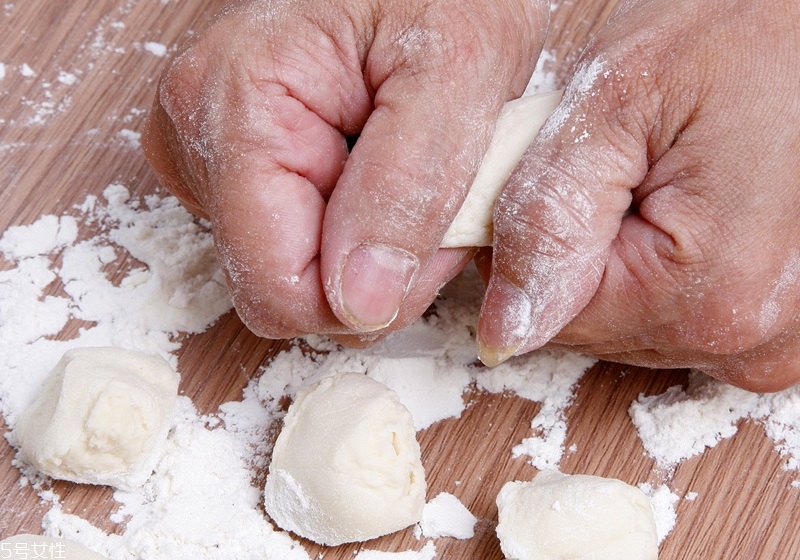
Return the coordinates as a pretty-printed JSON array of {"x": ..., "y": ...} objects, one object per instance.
[{"x": 682, "y": 423}]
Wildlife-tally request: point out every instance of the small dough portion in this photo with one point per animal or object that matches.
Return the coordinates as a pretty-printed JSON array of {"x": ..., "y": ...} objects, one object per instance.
[
  {"x": 102, "y": 417},
  {"x": 517, "y": 126},
  {"x": 346, "y": 467},
  {"x": 568, "y": 517},
  {"x": 27, "y": 547}
]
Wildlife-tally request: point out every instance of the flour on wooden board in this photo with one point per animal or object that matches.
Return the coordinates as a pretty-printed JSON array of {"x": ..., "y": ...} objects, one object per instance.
[
  {"x": 211, "y": 459},
  {"x": 50, "y": 96},
  {"x": 200, "y": 497}
]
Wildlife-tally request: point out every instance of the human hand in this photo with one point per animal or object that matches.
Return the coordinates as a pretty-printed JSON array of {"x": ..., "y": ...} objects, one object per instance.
[
  {"x": 249, "y": 129},
  {"x": 654, "y": 220}
]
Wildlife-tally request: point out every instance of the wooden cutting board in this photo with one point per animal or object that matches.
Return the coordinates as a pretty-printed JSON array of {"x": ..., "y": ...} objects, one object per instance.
[{"x": 62, "y": 140}]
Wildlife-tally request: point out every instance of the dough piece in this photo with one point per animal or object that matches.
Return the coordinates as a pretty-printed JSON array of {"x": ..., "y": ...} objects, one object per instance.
[
  {"x": 570, "y": 517},
  {"x": 346, "y": 467},
  {"x": 101, "y": 418},
  {"x": 27, "y": 547},
  {"x": 517, "y": 126}
]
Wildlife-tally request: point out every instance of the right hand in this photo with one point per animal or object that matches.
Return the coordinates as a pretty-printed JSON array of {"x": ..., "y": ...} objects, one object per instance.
[
  {"x": 249, "y": 125},
  {"x": 653, "y": 221}
]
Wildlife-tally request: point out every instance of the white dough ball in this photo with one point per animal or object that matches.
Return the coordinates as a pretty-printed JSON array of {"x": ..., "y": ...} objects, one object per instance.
[
  {"x": 102, "y": 417},
  {"x": 517, "y": 126},
  {"x": 28, "y": 547},
  {"x": 575, "y": 517},
  {"x": 346, "y": 467}
]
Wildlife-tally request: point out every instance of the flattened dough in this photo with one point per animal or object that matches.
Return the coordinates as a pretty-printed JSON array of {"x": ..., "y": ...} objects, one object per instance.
[
  {"x": 517, "y": 126},
  {"x": 346, "y": 467},
  {"x": 569, "y": 517},
  {"x": 101, "y": 418}
]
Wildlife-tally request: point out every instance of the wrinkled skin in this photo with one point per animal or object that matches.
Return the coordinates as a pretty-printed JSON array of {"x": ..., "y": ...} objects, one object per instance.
[
  {"x": 654, "y": 221},
  {"x": 249, "y": 129}
]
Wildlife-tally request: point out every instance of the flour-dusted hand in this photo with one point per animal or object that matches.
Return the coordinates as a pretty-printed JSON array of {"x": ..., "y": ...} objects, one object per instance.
[
  {"x": 655, "y": 218},
  {"x": 250, "y": 124}
]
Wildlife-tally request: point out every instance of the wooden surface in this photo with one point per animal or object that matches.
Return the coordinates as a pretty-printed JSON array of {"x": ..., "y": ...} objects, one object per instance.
[{"x": 60, "y": 142}]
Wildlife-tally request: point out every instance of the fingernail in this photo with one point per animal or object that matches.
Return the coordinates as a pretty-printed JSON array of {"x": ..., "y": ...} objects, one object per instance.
[
  {"x": 505, "y": 322},
  {"x": 375, "y": 280}
]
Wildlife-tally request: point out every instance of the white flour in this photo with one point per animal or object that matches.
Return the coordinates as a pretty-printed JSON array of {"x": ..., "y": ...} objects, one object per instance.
[
  {"x": 155, "y": 48},
  {"x": 663, "y": 501},
  {"x": 549, "y": 378},
  {"x": 679, "y": 423},
  {"x": 446, "y": 516},
  {"x": 26, "y": 70}
]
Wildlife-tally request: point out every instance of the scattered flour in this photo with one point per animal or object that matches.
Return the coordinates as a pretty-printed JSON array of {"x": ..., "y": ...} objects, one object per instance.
[
  {"x": 154, "y": 48},
  {"x": 548, "y": 378},
  {"x": 201, "y": 496},
  {"x": 183, "y": 511},
  {"x": 663, "y": 501},
  {"x": 413, "y": 378},
  {"x": 67, "y": 78},
  {"x": 682, "y": 423},
  {"x": 47, "y": 98},
  {"x": 26, "y": 70},
  {"x": 446, "y": 516},
  {"x": 130, "y": 138},
  {"x": 200, "y": 501}
]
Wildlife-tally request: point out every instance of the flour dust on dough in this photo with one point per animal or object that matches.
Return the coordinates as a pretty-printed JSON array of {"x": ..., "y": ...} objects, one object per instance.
[
  {"x": 517, "y": 126},
  {"x": 346, "y": 467},
  {"x": 102, "y": 417}
]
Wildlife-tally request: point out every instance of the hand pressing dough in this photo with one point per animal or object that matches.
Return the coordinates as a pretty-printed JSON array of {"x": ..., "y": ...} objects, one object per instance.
[
  {"x": 346, "y": 467},
  {"x": 101, "y": 418},
  {"x": 517, "y": 126},
  {"x": 575, "y": 517},
  {"x": 28, "y": 547}
]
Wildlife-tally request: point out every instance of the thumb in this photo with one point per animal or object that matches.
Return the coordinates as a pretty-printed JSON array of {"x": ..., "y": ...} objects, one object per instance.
[{"x": 557, "y": 217}]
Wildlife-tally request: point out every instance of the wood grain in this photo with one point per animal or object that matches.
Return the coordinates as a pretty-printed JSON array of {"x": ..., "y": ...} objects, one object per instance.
[{"x": 53, "y": 156}]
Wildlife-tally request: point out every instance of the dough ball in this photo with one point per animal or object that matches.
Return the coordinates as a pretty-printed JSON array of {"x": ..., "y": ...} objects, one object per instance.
[
  {"x": 102, "y": 417},
  {"x": 346, "y": 467},
  {"x": 27, "y": 547},
  {"x": 569, "y": 517},
  {"x": 517, "y": 126}
]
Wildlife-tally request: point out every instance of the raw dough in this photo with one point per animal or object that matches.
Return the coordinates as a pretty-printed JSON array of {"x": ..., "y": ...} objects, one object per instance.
[
  {"x": 575, "y": 517},
  {"x": 346, "y": 467},
  {"x": 101, "y": 418},
  {"x": 517, "y": 126},
  {"x": 27, "y": 547}
]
